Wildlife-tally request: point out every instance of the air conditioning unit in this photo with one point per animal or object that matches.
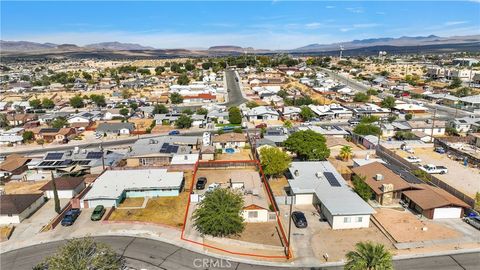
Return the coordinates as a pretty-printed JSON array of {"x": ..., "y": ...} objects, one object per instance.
[{"x": 379, "y": 177}]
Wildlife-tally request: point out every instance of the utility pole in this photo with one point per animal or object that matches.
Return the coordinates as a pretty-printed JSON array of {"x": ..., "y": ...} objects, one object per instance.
[
  {"x": 433, "y": 123},
  {"x": 55, "y": 194},
  {"x": 103, "y": 157},
  {"x": 289, "y": 227}
]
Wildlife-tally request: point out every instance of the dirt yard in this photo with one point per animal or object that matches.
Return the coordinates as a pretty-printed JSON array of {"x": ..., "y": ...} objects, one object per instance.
[
  {"x": 266, "y": 233},
  {"x": 141, "y": 124},
  {"x": 5, "y": 232},
  {"x": 132, "y": 202},
  {"x": 16, "y": 187},
  {"x": 277, "y": 184},
  {"x": 403, "y": 226},
  {"x": 243, "y": 154}
]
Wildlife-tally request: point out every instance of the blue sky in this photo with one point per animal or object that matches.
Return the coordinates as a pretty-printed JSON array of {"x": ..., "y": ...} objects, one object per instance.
[{"x": 266, "y": 24}]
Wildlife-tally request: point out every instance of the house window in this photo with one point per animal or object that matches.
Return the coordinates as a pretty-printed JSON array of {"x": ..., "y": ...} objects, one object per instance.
[
  {"x": 359, "y": 219},
  {"x": 347, "y": 219},
  {"x": 252, "y": 214}
]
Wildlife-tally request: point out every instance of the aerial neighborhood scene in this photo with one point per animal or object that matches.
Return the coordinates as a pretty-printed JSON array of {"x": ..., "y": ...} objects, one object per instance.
[{"x": 240, "y": 135}]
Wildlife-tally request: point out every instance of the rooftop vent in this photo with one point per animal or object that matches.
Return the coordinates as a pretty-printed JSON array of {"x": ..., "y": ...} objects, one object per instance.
[
  {"x": 378, "y": 177},
  {"x": 296, "y": 173}
]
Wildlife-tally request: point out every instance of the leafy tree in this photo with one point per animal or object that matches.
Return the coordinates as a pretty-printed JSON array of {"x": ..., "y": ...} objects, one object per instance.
[
  {"x": 48, "y": 103},
  {"x": 361, "y": 188},
  {"x": 125, "y": 112},
  {"x": 369, "y": 256},
  {"x": 218, "y": 214},
  {"x": 346, "y": 152},
  {"x": 189, "y": 66},
  {"x": 308, "y": 144},
  {"x": 144, "y": 71},
  {"x": 159, "y": 70},
  {"x": 134, "y": 106},
  {"x": 361, "y": 97},
  {"x": 477, "y": 201},
  {"x": 421, "y": 174},
  {"x": 184, "y": 121},
  {"x": 83, "y": 253},
  {"x": 234, "y": 115},
  {"x": 76, "y": 102},
  {"x": 274, "y": 161},
  {"x": 392, "y": 118},
  {"x": 367, "y": 119},
  {"x": 455, "y": 83},
  {"x": 367, "y": 129},
  {"x": 176, "y": 98},
  {"x": 408, "y": 116},
  {"x": 187, "y": 111},
  {"x": 384, "y": 73},
  {"x": 306, "y": 113},
  {"x": 404, "y": 135},
  {"x": 287, "y": 124},
  {"x": 35, "y": 103},
  {"x": 372, "y": 92},
  {"x": 99, "y": 100},
  {"x": 251, "y": 104},
  {"x": 159, "y": 108},
  {"x": 28, "y": 136},
  {"x": 24, "y": 78},
  {"x": 463, "y": 92},
  {"x": 3, "y": 120},
  {"x": 59, "y": 122},
  {"x": 451, "y": 131},
  {"x": 87, "y": 76},
  {"x": 206, "y": 65},
  {"x": 202, "y": 111},
  {"x": 388, "y": 102},
  {"x": 238, "y": 130},
  {"x": 126, "y": 94},
  {"x": 183, "y": 79}
]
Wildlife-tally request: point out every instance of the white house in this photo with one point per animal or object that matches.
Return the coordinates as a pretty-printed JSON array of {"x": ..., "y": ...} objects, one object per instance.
[
  {"x": 318, "y": 183},
  {"x": 16, "y": 207},
  {"x": 229, "y": 140},
  {"x": 465, "y": 124},
  {"x": 262, "y": 113},
  {"x": 67, "y": 187}
]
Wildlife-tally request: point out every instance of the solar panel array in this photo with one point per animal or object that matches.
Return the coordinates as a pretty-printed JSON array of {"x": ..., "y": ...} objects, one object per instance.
[
  {"x": 54, "y": 156},
  {"x": 332, "y": 180},
  {"x": 94, "y": 155},
  {"x": 167, "y": 148}
]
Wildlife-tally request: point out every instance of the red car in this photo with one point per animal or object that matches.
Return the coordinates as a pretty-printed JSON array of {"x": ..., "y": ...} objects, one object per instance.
[{"x": 262, "y": 125}]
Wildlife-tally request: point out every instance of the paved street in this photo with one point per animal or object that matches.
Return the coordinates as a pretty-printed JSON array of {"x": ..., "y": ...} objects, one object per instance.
[
  {"x": 235, "y": 97},
  {"x": 141, "y": 253}
]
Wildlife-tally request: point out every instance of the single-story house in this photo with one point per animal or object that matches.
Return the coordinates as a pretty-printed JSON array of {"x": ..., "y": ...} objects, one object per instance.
[
  {"x": 229, "y": 140},
  {"x": 115, "y": 128},
  {"x": 16, "y": 207},
  {"x": 67, "y": 187},
  {"x": 207, "y": 152},
  {"x": 262, "y": 113},
  {"x": 113, "y": 186},
  {"x": 55, "y": 134},
  {"x": 318, "y": 183},
  {"x": 14, "y": 164}
]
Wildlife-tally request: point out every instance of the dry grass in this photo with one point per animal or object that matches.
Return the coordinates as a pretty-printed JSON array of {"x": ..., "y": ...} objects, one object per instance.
[
  {"x": 277, "y": 184},
  {"x": 5, "y": 232},
  {"x": 261, "y": 233},
  {"x": 132, "y": 202},
  {"x": 244, "y": 154},
  {"x": 16, "y": 187},
  {"x": 141, "y": 124}
]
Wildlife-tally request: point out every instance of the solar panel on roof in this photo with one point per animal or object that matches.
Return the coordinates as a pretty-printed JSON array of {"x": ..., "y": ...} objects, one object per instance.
[
  {"x": 54, "y": 156},
  {"x": 338, "y": 128},
  {"x": 83, "y": 162},
  {"x": 94, "y": 155},
  {"x": 172, "y": 149},
  {"x": 332, "y": 180},
  {"x": 462, "y": 121}
]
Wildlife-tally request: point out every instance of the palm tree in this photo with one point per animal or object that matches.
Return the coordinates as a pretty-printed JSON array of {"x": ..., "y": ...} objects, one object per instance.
[
  {"x": 346, "y": 152},
  {"x": 369, "y": 256}
]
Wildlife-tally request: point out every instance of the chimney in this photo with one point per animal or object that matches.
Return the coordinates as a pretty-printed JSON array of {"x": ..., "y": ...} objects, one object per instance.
[{"x": 378, "y": 177}]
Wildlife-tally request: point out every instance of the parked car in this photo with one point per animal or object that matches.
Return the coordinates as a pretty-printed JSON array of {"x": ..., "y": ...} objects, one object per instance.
[
  {"x": 473, "y": 221},
  {"x": 413, "y": 159},
  {"x": 201, "y": 182},
  {"x": 432, "y": 169},
  {"x": 98, "y": 213},
  {"x": 299, "y": 219},
  {"x": 212, "y": 187},
  {"x": 262, "y": 125},
  {"x": 70, "y": 217},
  {"x": 174, "y": 132},
  {"x": 440, "y": 150}
]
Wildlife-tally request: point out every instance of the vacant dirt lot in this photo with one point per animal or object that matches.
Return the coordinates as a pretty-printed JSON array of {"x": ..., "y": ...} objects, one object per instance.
[
  {"x": 403, "y": 226},
  {"x": 16, "y": 187},
  {"x": 266, "y": 233}
]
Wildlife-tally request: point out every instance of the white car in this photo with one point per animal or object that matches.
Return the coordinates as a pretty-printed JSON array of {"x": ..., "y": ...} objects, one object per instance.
[{"x": 413, "y": 159}]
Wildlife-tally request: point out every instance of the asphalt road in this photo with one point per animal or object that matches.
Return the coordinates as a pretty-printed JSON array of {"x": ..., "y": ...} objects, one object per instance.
[
  {"x": 235, "y": 97},
  {"x": 141, "y": 253}
]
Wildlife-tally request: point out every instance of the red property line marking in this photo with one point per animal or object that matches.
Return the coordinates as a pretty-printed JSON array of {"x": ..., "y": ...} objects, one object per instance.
[{"x": 224, "y": 250}]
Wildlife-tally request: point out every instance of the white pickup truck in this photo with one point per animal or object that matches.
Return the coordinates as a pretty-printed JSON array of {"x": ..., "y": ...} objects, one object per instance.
[{"x": 432, "y": 169}]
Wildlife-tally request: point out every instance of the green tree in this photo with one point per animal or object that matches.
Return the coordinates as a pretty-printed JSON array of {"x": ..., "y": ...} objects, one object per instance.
[
  {"x": 35, "y": 103},
  {"x": 3, "y": 120},
  {"x": 251, "y": 104},
  {"x": 176, "y": 98},
  {"x": 477, "y": 201},
  {"x": 159, "y": 70},
  {"x": 76, "y": 102},
  {"x": 308, "y": 145},
  {"x": 372, "y": 92},
  {"x": 126, "y": 94},
  {"x": 361, "y": 97},
  {"x": 125, "y": 112},
  {"x": 361, "y": 188},
  {"x": 287, "y": 124},
  {"x": 99, "y": 100},
  {"x": 346, "y": 152},
  {"x": 392, "y": 118},
  {"x": 408, "y": 116},
  {"x": 367, "y": 129},
  {"x": 202, "y": 111},
  {"x": 144, "y": 71},
  {"x": 455, "y": 83},
  {"x": 218, "y": 214},
  {"x": 83, "y": 253},
  {"x": 48, "y": 103},
  {"x": 274, "y": 161},
  {"x": 369, "y": 256},
  {"x": 463, "y": 92},
  {"x": 368, "y": 119},
  {"x": 184, "y": 121},
  {"x": 134, "y": 106},
  {"x": 388, "y": 102},
  {"x": 159, "y": 108},
  {"x": 59, "y": 122},
  {"x": 187, "y": 111},
  {"x": 183, "y": 79},
  {"x": 234, "y": 115},
  {"x": 404, "y": 135},
  {"x": 28, "y": 136},
  {"x": 306, "y": 113},
  {"x": 421, "y": 174}
]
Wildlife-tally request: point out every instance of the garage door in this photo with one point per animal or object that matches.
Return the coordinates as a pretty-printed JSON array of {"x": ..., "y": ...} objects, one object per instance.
[{"x": 448, "y": 212}]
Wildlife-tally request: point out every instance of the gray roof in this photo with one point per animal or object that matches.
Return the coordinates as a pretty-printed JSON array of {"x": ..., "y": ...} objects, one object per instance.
[
  {"x": 114, "y": 127},
  {"x": 338, "y": 199},
  {"x": 154, "y": 145}
]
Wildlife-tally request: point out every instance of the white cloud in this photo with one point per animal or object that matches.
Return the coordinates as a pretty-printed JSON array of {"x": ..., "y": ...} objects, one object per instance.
[
  {"x": 454, "y": 23},
  {"x": 365, "y": 25},
  {"x": 355, "y": 9},
  {"x": 330, "y": 7},
  {"x": 313, "y": 25}
]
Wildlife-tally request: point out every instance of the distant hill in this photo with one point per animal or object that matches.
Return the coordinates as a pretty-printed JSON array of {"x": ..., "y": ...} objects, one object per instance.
[
  {"x": 118, "y": 46},
  {"x": 401, "y": 41},
  {"x": 10, "y": 46}
]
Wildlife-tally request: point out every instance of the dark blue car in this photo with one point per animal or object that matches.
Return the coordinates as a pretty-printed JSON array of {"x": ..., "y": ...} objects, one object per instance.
[
  {"x": 174, "y": 132},
  {"x": 70, "y": 217}
]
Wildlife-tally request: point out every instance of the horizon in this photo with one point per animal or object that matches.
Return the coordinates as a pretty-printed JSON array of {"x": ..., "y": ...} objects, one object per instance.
[{"x": 273, "y": 25}]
